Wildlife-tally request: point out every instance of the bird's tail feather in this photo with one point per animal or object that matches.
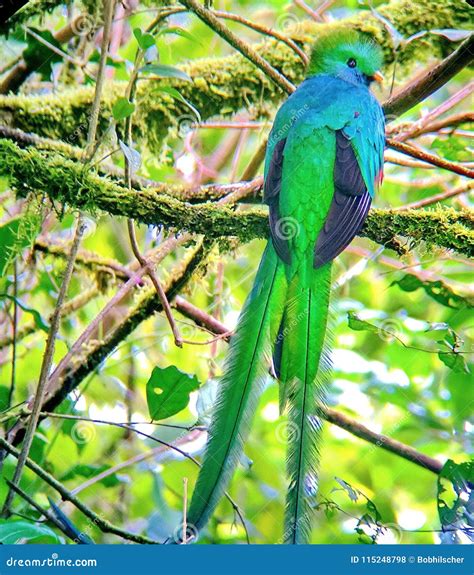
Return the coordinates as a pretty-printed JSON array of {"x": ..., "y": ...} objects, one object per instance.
[
  {"x": 240, "y": 387},
  {"x": 304, "y": 374}
]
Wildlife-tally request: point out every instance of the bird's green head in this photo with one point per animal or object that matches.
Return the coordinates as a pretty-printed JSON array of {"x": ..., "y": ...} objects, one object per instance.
[{"x": 346, "y": 54}]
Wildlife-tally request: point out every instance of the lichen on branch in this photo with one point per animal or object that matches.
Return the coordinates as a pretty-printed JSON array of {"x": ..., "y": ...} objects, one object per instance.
[{"x": 63, "y": 180}]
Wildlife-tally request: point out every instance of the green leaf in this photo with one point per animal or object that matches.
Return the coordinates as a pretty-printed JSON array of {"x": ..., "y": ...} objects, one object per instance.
[
  {"x": 15, "y": 235},
  {"x": 359, "y": 324},
  {"x": 455, "y": 483},
  {"x": 167, "y": 391},
  {"x": 437, "y": 290},
  {"x": 179, "y": 32},
  {"x": 164, "y": 71},
  {"x": 39, "y": 321},
  {"x": 454, "y": 361},
  {"x": 4, "y": 395},
  {"x": 40, "y": 57},
  {"x": 452, "y": 149},
  {"x": 14, "y": 532},
  {"x": 174, "y": 93},
  {"x": 351, "y": 492},
  {"x": 144, "y": 39},
  {"x": 122, "y": 109}
]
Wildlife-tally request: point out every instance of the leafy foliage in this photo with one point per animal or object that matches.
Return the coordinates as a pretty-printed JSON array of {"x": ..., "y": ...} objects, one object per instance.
[{"x": 168, "y": 390}]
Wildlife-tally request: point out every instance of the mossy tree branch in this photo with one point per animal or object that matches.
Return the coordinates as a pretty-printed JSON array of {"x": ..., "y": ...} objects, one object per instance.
[
  {"x": 65, "y": 181},
  {"x": 222, "y": 86}
]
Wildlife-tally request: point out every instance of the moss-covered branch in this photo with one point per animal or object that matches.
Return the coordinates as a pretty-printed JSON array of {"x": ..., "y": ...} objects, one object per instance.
[
  {"x": 65, "y": 181},
  {"x": 222, "y": 86}
]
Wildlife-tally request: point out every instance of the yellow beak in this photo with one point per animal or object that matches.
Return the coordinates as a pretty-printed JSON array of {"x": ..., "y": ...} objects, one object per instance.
[{"x": 378, "y": 77}]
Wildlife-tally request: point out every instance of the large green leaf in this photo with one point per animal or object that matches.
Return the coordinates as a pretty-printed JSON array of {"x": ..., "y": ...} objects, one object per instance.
[
  {"x": 167, "y": 391},
  {"x": 15, "y": 532}
]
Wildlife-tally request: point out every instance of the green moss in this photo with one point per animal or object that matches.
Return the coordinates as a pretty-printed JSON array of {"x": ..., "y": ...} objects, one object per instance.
[
  {"x": 39, "y": 172},
  {"x": 222, "y": 86}
]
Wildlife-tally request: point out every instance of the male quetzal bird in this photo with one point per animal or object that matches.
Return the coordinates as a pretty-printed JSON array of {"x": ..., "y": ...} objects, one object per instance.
[{"x": 324, "y": 161}]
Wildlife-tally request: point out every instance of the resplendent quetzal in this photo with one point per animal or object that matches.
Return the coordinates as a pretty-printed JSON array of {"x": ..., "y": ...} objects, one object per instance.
[{"x": 324, "y": 161}]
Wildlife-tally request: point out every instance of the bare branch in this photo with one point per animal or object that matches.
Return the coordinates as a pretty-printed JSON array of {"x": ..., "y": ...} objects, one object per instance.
[{"x": 431, "y": 80}]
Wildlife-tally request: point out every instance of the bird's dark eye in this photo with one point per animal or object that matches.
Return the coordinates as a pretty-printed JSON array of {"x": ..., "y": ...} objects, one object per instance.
[{"x": 351, "y": 63}]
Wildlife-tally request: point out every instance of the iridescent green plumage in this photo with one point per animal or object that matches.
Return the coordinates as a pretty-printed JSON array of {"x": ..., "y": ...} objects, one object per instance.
[{"x": 324, "y": 160}]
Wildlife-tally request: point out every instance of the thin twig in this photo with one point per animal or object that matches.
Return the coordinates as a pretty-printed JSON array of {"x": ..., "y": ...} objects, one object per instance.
[
  {"x": 449, "y": 122},
  {"x": 45, "y": 366},
  {"x": 155, "y": 281},
  {"x": 253, "y": 25},
  {"x": 51, "y": 47},
  {"x": 185, "y": 510},
  {"x": 383, "y": 441},
  {"x": 312, "y": 13},
  {"x": 438, "y": 197},
  {"x": 130, "y": 91},
  {"x": 263, "y": 30},
  {"x": 11, "y": 391},
  {"x": 421, "y": 125},
  {"x": 109, "y": 6},
  {"x": 325, "y": 5},
  {"x": 429, "y": 158}
]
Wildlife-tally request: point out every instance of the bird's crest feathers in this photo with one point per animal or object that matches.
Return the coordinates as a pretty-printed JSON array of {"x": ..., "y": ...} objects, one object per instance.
[{"x": 345, "y": 52}]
